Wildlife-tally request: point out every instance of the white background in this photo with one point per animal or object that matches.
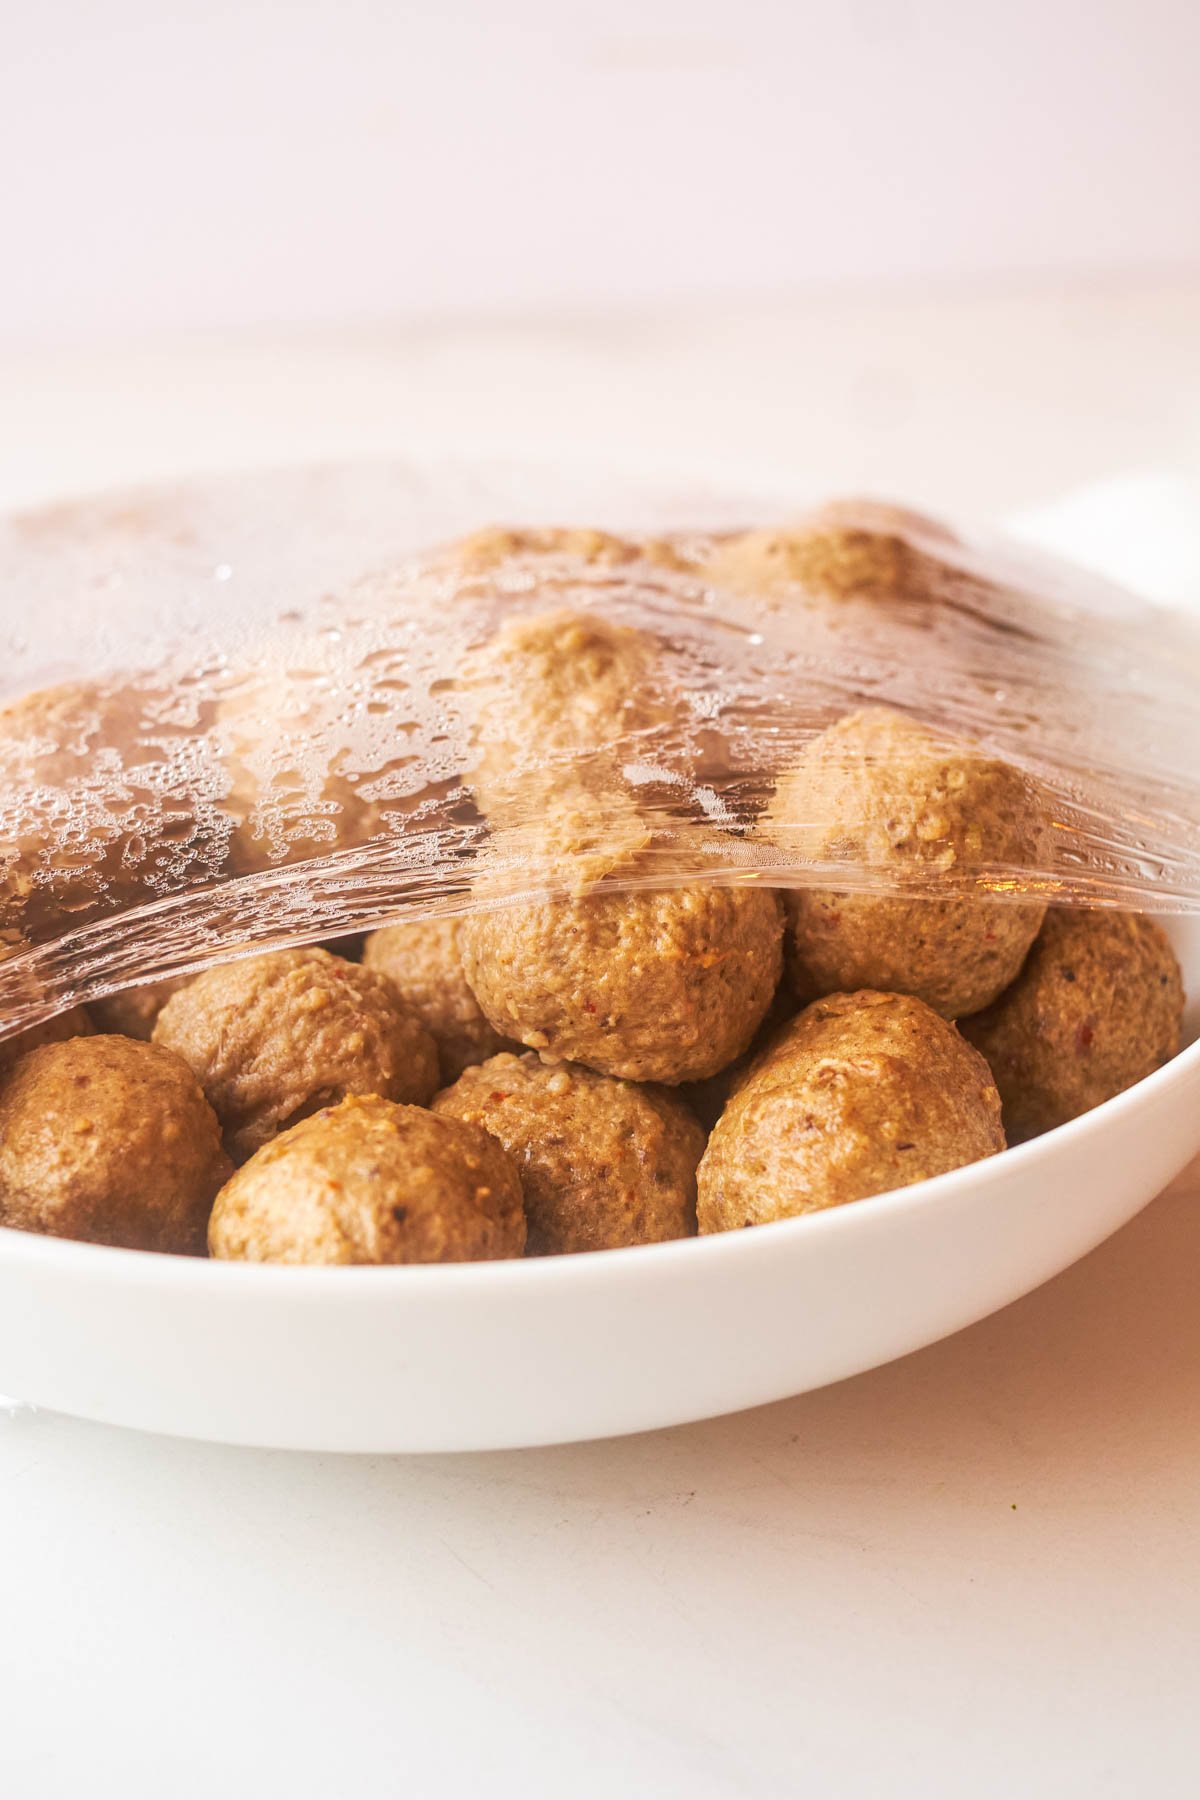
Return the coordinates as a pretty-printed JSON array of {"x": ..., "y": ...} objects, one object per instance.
[
  {"x": 947, "y": 251},
  {"x": 166, "y": 163}
]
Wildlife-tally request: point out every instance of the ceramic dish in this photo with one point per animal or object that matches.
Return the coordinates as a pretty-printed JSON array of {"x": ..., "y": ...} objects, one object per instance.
[{"x": 482, "y": 1356}]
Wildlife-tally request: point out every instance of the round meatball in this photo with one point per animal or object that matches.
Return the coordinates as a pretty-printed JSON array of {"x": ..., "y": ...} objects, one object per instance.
[
  {"x": 496, "y": 544},
  {"x": 651, "y": 985},
  {"x": 560, "y": 698},
  {"x": 109, "y": 1140},
  {"x": 75, "y": 1022},
  {"x": 350, "y": 946},
  {"x": 850, "y": 549},
  {"x": 708, "y": 1099},
  {"x": 1098, "y": 1006},
  {"x": 421, "y": 959},
  {"x": 98, "y": 806},
  {"x": 276, "y": 1037},
  {"x": 284, "y": 731},
  {"x": 603, "y": 1163},
  {"x": 859, "y": 1094},
  {"x": 372, "y": 1182},
  {"x": 134, "y": 1011},
  {"x": 880, "y": 791}
]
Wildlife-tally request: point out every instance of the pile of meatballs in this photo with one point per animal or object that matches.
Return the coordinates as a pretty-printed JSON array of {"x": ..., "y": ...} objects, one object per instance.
[{"x": 613, "y": 1064}]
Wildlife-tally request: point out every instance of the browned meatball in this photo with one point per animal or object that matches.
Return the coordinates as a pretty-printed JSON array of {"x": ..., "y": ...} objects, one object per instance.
[
  {"x": 861, "y": 1093},
  {"x": 850, "y": 549},
  {"x": 371, "y": 1182},
  {"x": 879, "y": 790},
  {"x": 421, "y": 959},
  {"x": 350, "y": 946},
  {"x": 1097, "y": 1007},
  {"x": 603, "y": 1163},
  {"x": 96, "y": 811},
  {"x": 134, "y": 1011},
  {"x": 273, "y": 1038},
  {"x": 560, "y": 699},
  {"x": 75, "y": 1022},
  {"x": 108, "y": 1140},
  {"x": 649, "y": 985},
  {"x": 497, "y": 544}
]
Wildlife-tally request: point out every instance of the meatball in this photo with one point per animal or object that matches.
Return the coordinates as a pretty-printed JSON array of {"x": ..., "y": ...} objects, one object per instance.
[
  {"x": 75, "y": 1022},
  {"x": 859, "y": 1094},
  {"x": 879, "y": 790},
  {"x": 134, "y": 1011},
  {"x": 1098, "y": 1006},
  {"x": 371, "y": 1182},
  {"x": 850, "y": 549},
  {"x": 283, "y": 731},
  {"x": 561, "y": 698},
  {"x": 109, "y": 1140},
  {"x": 98, "y": 806},
  {"x": 651, "y": 984},
  {"x": 274, "y": 1038},
  {"x": 603, "y": 1163},
  {"x": 421, "y": 960},
  {"x": 496, "y": 544}
]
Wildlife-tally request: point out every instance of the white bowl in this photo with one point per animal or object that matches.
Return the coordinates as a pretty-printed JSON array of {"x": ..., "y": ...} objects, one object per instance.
[{"x": 489, "y": 1355}]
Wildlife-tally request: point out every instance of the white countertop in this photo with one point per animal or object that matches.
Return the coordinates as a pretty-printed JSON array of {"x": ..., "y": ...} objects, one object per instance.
[{"x": 971, "y": 1571}]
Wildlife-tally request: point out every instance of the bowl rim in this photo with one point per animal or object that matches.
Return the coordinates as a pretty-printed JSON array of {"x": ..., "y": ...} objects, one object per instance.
[{"x": 344, "y": 1284}]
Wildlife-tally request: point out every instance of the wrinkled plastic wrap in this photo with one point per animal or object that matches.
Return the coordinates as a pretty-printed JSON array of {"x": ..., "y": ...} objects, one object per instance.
[{"x": 272, "y": 709}]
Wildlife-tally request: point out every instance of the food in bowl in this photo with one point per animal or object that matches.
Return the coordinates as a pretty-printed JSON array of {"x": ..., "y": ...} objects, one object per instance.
[
  {"x": 110, "y": 1140},
  {"x": 495, "y": 545},
  {"x": 368, "y": 1181},
  {"x": 846, "y": 550},
  {"x": 603, "y": 1163},
  {"x": 77, "y": 1021},
  {"x": 607, "y": 1059},
  {"x": 133, "y": 1012},
  {"x": 1097, "y": 1006},
  {"x": 558, "y": 698},
  {"x": 273, "y": 1038},
  {"x": 891, "y": 795}
]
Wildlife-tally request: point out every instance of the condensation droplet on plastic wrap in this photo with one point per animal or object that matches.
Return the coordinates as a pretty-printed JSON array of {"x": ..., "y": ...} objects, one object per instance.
[{"x": 273, "y": 709}]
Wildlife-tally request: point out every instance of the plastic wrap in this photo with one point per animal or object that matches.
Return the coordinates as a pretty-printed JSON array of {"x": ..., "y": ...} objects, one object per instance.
[{"x": 281, "y": 708}]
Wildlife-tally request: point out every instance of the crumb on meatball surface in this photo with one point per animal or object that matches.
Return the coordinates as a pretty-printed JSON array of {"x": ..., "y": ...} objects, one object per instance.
[
  {"x": 272, "y": 1038},
  {"x": 134, "y": 1011},
  {"x": 90, "y": 845},
  {"x": 859, "y": 1094},
  {"x": 560, "y": 697},
  {"x": 847, "y": 549},
  {"x": 1097, "y": 1006},
  {"x": 603, "y": 1163},
  {"x": 664, "y": 985},
  {"x": 878, "y": 789},
  {"x": 282, "y": 732},
  {"x": 368, "y": 1181},
  {"x": 422, "y": 960},
  {"x": 493, "y": 545},
  {"x": 108, "y": 1140}
]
